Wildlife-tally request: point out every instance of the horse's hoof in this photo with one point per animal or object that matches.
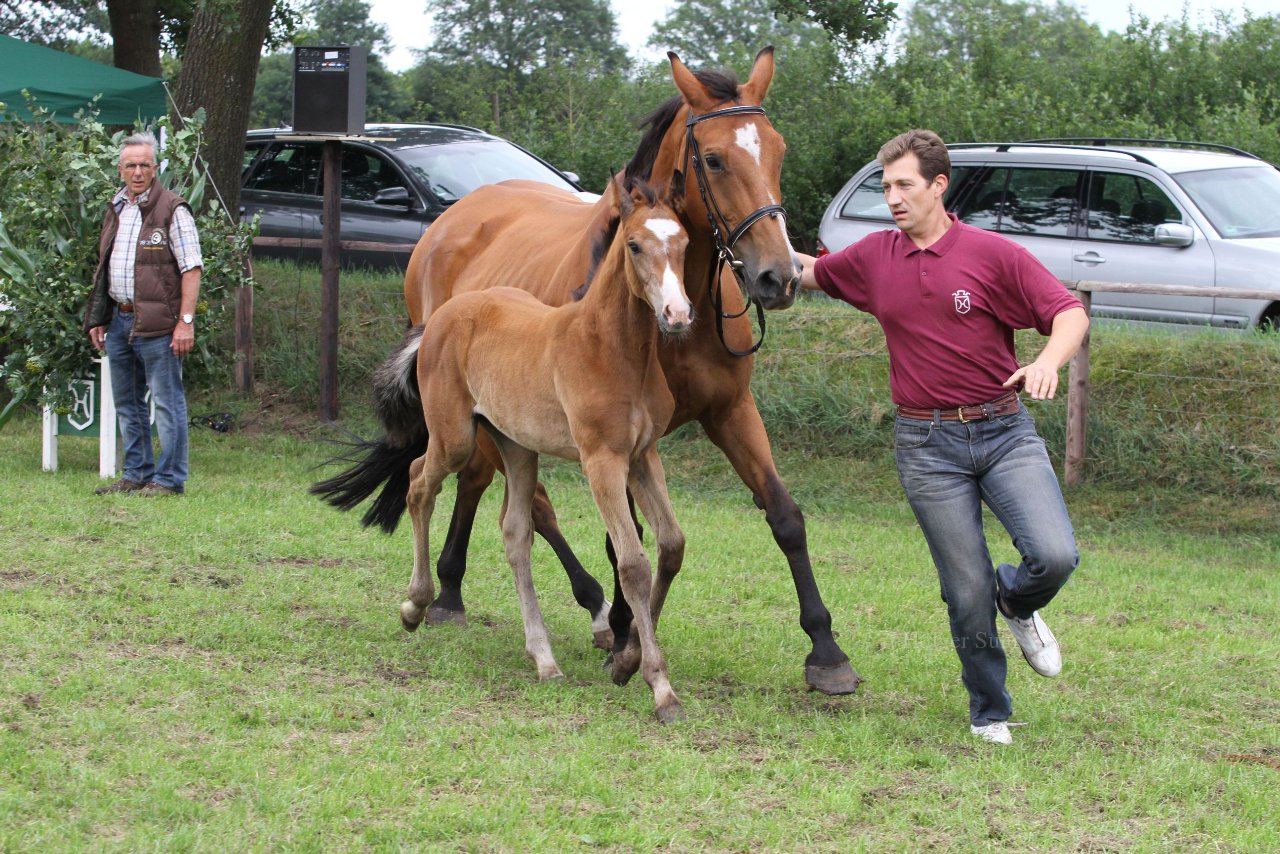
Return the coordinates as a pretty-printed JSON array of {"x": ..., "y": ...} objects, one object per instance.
[
  {"x": 602, "y": 639},
  {"x": 552, "y": 674},
  {"x": 410, "y": 616},
  {"x": 671, "y": 713},
  {"x": 438, "y": 615},
  {"x": 833, "y": 679}
]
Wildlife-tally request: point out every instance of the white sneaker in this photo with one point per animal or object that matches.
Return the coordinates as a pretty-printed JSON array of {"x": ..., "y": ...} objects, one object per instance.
[
  {"x": 1039, "y": 646},
  {"x": 996, "y": 733}
]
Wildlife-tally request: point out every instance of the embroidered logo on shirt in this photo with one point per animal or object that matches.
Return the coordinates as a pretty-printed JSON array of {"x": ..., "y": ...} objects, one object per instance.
[
  {"x": 962, "y": 301},
  {"x": 155, "y": 240}
]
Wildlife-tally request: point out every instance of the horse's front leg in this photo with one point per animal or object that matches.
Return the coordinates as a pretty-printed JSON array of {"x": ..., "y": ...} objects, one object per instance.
[{"x": 739, "y": 433}]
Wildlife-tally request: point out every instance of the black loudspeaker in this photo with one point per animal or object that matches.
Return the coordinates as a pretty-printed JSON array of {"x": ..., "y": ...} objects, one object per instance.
[{"x": 329, "y": 89}]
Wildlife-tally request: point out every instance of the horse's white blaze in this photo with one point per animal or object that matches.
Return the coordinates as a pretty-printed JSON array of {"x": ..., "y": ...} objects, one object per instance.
[{"x": 748, "y": 138}]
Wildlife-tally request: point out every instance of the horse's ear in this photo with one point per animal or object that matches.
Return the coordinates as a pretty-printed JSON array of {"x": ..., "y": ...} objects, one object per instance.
[
  {"x": 695, "y": 95},
  {"x": 757, "y": 85}
]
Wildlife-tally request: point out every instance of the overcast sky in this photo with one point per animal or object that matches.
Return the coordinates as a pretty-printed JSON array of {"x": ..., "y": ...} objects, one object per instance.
[{"x": 410, "y": 27}]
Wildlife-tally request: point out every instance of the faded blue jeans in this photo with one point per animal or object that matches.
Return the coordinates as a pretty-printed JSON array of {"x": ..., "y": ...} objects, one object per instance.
[
  {"x": 138, "y": 365},
  {"x": 949, "y": 469}
]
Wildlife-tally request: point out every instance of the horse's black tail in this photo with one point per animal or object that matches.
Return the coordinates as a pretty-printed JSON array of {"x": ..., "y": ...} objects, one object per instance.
[{"x": 384, "y": 462}]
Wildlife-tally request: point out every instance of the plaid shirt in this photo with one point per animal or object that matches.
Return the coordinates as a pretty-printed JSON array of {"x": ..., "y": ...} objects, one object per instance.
[{"x": 182, "y": 239}]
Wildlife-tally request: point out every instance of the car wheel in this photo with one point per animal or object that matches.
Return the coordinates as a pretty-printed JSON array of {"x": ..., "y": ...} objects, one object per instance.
[{"x": 1270, "y": 320}]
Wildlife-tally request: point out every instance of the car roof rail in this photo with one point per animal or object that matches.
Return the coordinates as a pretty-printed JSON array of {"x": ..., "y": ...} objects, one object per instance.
[
  {"x": 1044, "y": 143},
  {"x": 1104, "y": 141}
]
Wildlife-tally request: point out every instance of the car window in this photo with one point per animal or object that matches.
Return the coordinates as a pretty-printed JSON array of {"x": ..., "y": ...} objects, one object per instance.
[
  {"x": 1238, "y": 202},
  {"x": 867, "y": 199},
  {"x": 1023, "y": 201},
  {"x": 288, "y": 168},
  {"x": 1127, "y": 207},
  {"x": 451, "y": 171},
  {"x": 364, "y": 174}
]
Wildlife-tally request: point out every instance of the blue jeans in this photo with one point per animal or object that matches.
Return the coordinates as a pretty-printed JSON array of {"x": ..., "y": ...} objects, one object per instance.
[
  {"x": 138, "y": 365},
  {"x": 949, "y": 469}
]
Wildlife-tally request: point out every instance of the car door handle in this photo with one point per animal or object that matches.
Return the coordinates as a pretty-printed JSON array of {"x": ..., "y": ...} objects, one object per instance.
[{"x": 1089, "y": 257}]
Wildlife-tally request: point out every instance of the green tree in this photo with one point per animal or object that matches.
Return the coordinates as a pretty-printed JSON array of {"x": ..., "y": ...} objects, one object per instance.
[
  {"x": 519, "y": 36},
  {"x": 729, "y": 32},
  {"x": 331, "y": 22}
]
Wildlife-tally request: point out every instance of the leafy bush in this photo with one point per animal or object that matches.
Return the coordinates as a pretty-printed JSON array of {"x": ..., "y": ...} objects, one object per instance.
[{"x": 56, "y": 180}]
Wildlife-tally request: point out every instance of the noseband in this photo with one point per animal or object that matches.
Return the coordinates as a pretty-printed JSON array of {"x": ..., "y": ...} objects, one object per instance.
[{"x": 723, "y": 246}]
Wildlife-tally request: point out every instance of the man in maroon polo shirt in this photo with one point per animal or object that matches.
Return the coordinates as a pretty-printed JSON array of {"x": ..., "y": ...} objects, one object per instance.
[{"x": 949, "y": 297}]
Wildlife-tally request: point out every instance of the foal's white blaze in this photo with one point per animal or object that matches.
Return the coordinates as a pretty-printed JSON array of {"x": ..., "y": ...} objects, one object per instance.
[
  {"x": 675, "y": 305},
  {"x": 748, "y": 138}
]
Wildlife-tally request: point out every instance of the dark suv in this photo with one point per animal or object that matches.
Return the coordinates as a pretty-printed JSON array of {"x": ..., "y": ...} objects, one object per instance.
[
  {"x": 1143, "y": 211},
  {"x": 394, "y": 184}
]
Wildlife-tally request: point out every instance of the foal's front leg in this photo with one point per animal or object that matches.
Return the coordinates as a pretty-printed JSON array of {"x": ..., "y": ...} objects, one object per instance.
[{"x": 606, "y": 473}]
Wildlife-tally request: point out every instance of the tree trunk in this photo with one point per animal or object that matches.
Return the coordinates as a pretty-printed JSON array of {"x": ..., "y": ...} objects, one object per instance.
[
  {"x": 135, "y": 35},
  {"x": 219, "y": 68}
]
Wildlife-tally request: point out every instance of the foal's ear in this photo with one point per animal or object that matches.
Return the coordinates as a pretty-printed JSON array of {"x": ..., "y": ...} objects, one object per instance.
[
  {"x": 757, "y": 85},
  {"x": 621, "y": 198},
  {"x": 676, "y": 199}
]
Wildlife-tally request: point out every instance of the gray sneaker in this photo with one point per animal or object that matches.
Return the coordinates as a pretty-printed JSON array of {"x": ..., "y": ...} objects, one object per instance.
[
  {"x": 121, "y": 485},
  {"x": 996, "y": 733},
  {"x": 1039, "y": 646}
]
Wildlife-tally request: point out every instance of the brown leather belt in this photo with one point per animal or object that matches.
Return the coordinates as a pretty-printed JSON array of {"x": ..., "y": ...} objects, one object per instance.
[
  {"x": 126, "y": 307},
  {"x": 1006, "y": 404}
]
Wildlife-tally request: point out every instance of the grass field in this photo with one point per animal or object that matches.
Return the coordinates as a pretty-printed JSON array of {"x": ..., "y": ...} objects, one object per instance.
[{"x": 226, "y": 672}]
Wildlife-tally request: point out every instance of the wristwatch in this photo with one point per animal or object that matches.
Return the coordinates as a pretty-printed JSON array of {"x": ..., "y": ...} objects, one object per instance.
[{"x": 188, "y": 318}]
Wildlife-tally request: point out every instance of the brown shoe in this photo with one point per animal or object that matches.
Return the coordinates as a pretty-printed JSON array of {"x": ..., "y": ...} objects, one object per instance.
[
  {"x": 121, "y": 485},
  {"x": 154, "y": 488}
]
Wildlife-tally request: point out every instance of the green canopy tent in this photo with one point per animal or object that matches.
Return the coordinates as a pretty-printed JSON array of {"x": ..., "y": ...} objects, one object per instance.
[{"x": 63, "y": 84}]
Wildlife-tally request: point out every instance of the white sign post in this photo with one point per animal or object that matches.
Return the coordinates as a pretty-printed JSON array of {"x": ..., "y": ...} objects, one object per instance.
[{"x": 93, "y": 402}]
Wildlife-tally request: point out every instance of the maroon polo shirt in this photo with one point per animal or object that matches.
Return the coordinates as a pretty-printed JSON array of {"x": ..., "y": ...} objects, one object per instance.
[{"x": 949, "y": 311}]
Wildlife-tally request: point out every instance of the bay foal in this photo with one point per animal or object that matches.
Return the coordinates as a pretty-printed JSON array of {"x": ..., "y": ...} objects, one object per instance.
[{"x": 582, "y": 382}]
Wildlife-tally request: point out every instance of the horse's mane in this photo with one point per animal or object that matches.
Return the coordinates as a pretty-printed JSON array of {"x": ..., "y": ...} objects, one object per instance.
[
  {"x": 603, "y": 239},
  {"x": 720, "y": 84}
]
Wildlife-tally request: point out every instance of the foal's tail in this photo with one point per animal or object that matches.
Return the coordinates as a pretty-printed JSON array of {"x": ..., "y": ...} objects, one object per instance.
[{"x": 384, "y": 462}]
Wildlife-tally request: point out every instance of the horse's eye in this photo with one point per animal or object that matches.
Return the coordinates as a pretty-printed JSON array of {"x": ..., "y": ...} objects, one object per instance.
[
  {"x": 713, "y": 162},
  {"x": 634, "y": 247}
]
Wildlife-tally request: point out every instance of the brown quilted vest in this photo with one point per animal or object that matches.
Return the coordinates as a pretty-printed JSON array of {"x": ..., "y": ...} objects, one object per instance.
[{"x": 157, "y": 281}]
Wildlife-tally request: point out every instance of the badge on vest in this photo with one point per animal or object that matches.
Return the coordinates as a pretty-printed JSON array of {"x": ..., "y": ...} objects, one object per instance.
[
  {"x": 962, "y": 301},
  {"x": 155, "y": 240}
]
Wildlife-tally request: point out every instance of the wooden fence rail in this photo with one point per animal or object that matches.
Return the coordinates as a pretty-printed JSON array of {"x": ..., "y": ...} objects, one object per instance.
[{"x": 1078, "y": 370}]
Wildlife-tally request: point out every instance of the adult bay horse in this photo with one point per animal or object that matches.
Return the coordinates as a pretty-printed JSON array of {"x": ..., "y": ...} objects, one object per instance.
[
  {"x": 713, "y": 152},
  {"x": 581, "y": 381}
]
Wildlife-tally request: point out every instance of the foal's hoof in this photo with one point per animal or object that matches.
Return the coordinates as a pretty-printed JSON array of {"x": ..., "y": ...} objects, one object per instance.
[
  {"x": 671, "y": 714},
  {"x": 438, "y": 615},
  {"x": 410, "y": 616},
  {"x": 833, "y": 679}
]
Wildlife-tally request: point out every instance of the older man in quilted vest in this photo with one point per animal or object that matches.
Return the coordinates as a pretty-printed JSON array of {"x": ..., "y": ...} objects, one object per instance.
[{"x": 142, "y": 313}]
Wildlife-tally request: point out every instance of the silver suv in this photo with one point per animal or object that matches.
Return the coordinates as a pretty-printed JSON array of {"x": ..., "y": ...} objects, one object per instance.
[{"x": 1118, "y": 210}]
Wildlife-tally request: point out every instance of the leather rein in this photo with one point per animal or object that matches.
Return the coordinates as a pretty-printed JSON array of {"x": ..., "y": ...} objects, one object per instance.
[{"x": 723, "y": 245}]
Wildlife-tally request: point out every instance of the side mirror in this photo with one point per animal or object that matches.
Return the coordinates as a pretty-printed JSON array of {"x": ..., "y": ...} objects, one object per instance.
[
  {"x": 392, "y": 196},
  {"x": 1174, "y": 234},
  {"x": 572, "y": 176}
]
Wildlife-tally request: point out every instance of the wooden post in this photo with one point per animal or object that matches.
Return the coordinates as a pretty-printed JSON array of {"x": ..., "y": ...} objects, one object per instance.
[
  {"x": 244, "y": 334},
  {"x": 1077, "y": 403},
  {"x": 331, "y": 231}
]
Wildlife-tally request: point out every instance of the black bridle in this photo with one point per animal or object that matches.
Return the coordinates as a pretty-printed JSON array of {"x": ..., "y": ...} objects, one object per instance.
[{"x": 723, "y": 246}]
